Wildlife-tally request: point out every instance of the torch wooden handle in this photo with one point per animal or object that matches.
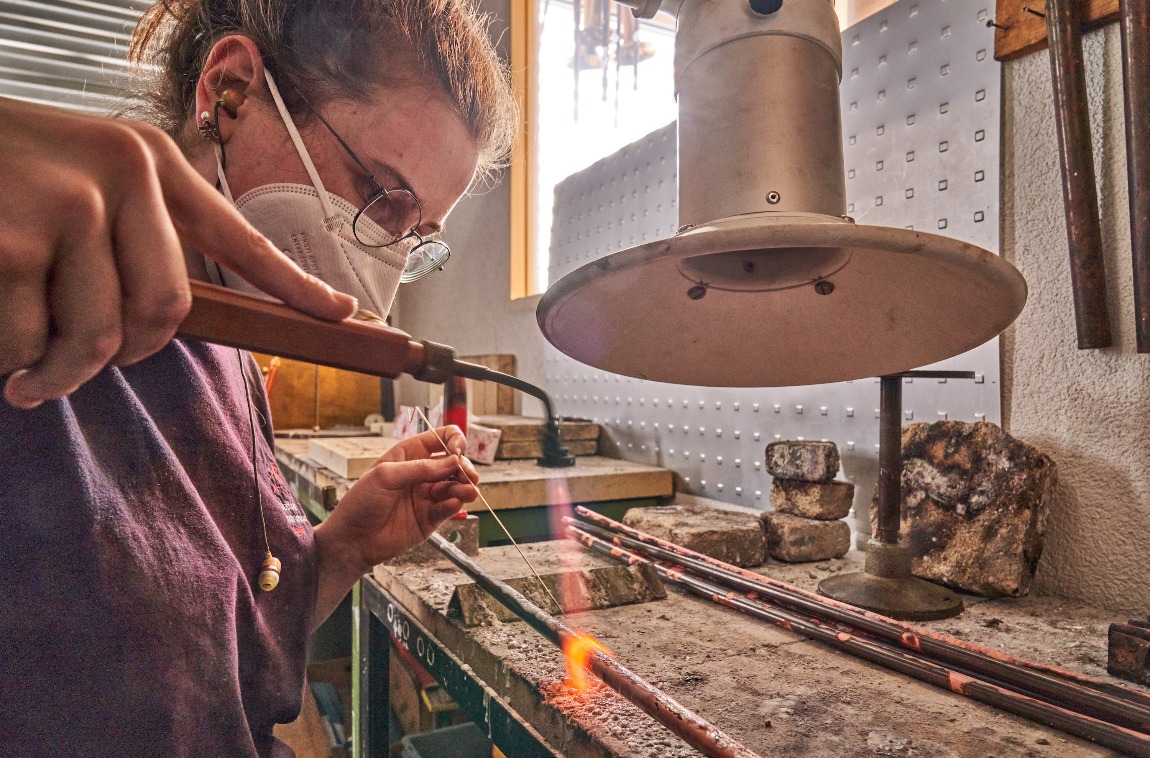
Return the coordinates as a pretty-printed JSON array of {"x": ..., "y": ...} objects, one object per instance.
[{"x": 236, "y": 319}]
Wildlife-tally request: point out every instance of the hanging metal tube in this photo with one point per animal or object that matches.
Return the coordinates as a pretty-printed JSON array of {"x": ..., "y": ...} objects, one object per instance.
[
  {"x": 1134, "y": 17},
  {"x": 890, "y": 460},
  {"x": 1080, "y": 195}
]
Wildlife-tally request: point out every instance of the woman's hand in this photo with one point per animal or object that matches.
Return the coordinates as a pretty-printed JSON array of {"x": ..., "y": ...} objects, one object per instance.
[
  {"x": 394, "y": 506},
  {"x": 92, "y": 215}
]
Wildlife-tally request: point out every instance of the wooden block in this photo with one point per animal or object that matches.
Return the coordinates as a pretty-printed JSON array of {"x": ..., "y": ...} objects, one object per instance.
[
  {"x": 518, "y": 451},
  {"x": 1025, "y": 33},
  {"x": 489, "y": 398},
  {"x": 349, "y": 457},
  {"x": 581, "y": 590},
  {"x": 526, "y": 428},
  {"x": 521, "y": 436}
]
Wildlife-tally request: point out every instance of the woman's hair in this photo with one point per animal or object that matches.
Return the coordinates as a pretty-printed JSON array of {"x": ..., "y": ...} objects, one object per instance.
[{"x": 333, "y": 49}]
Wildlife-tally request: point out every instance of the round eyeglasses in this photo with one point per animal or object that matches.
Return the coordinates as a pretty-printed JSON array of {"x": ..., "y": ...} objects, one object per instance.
[{"x": 425, "y": 257}]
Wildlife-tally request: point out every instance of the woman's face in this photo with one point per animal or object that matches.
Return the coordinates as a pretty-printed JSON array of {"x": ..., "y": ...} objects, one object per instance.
[{"x": 409, "y": 138}]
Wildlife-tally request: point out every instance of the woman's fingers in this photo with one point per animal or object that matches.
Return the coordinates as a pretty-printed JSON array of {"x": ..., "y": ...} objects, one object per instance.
[
  {"x": 149, "y": 259},
  {"x": 429, "y": 443}
]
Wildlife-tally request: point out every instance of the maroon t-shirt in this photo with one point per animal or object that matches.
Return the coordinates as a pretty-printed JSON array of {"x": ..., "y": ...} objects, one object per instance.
[{"x": 130, "y": 544}]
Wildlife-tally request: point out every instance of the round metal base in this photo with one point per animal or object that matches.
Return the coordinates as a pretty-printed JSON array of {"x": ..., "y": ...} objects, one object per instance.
[{"x": 908, "y": 598}]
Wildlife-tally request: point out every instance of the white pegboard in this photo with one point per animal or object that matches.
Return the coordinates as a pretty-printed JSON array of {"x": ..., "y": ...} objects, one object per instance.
[{"x": 920, "y": 101}]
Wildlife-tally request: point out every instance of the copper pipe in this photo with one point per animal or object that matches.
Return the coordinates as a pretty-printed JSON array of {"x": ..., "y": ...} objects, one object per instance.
[
  {"x": 1134, "y": 21},
  {"x": 949, "y": 678},
  {"x": 695, "y": 731},
  {"x": 979, "y": 661},
  {"x": 1072, "y": 119},
  {"x": 908, "y": 633}
]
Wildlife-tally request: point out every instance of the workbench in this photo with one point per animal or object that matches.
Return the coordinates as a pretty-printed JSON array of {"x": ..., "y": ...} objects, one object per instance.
[{"x": 778, "y": 693}]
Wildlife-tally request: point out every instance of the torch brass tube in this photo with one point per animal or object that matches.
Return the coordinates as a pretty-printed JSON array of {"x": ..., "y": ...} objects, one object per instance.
[
  {"x": 1134, "y": 18},
  {"x": 1072, "y": 120},
  {"x": 694, "y": 730},
  {"x": 235, "y": 319}
]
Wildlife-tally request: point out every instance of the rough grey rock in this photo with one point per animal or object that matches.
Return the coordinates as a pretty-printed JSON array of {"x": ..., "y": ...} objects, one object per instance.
[
  {"x": 828, "y": 501},
  {"x": 796, "y": 539},
  {"x": 804, "y": 461},
  {"x": 730, "y": 535},
  {"x": 974, "y": 505}
]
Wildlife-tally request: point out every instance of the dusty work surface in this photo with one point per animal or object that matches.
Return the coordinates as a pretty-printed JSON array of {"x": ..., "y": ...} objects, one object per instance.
[{"x": 778, "y": 693}]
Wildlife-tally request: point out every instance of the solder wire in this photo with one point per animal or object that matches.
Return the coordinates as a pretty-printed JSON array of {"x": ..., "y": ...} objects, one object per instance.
[{"x": 494, "y": 515}]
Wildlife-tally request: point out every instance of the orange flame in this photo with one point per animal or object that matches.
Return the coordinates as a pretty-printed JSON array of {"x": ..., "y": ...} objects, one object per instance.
[{"x": 577, "y": 652}]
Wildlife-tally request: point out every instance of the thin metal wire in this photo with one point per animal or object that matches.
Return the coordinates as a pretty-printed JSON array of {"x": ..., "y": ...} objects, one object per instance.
[{"x": 494, "y": 515}]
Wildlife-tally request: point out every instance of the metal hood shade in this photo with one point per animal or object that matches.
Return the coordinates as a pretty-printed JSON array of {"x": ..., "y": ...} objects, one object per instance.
[{"x": 768, "y": 283}]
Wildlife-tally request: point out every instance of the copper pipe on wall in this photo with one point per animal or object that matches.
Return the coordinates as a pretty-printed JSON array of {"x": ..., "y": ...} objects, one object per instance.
[
  {"x": 694, "y": 730},
  {"x": 1134, "y": 22},
  {"x": 1072, "y": 119}
]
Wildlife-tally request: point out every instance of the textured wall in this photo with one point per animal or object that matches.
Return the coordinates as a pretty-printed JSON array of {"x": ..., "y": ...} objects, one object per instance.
[{"x": 1088, "y": 409}]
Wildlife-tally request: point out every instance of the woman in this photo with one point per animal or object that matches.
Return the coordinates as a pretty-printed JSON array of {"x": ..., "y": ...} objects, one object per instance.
[{"x": 139, "y": 497}]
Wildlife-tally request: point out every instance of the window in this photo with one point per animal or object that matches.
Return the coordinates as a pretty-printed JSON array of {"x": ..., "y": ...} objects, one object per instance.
[
  {"x": 596, "y": 80},
  {"x": 67, "y": 52}
]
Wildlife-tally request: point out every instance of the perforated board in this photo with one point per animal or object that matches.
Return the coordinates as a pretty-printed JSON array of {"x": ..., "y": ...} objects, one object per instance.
[{"x": 920, "y": 102}]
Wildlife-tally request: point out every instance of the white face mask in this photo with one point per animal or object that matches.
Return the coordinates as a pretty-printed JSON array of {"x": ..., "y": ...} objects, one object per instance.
[{"x": 314, "y": 228}]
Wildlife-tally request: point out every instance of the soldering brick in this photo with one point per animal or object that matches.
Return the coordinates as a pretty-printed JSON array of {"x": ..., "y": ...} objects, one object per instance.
[
  {"x": 731, "y": 534},
  {"x": 798, "y": 540},
  {"x": 803, "y": 461},
  {"x": 827, "y": 501}
]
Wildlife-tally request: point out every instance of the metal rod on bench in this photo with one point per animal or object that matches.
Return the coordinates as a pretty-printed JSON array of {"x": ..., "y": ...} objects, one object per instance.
[
  {"x": 982, "y": 662},
  {"x": 812, "y": 603},
  {"x": 963, "y": 683},
  {"x": 697, "y": 732}
]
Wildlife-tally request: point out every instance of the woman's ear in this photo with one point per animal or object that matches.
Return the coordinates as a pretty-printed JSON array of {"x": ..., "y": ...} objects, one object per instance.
[{"x": 232, "y": 74}]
